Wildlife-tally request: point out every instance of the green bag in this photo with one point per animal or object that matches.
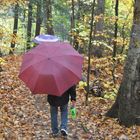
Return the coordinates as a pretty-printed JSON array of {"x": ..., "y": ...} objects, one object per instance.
[{"x": 73, "y": 112}]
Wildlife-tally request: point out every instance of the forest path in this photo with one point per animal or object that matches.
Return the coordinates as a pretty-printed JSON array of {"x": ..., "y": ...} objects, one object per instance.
[{"x": 24, "y": 116}]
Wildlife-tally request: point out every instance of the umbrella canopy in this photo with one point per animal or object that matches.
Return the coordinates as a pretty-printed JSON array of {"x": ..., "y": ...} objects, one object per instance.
[
  {"x": 51, "y": 68},
  {"x": 45, "y": 38}
]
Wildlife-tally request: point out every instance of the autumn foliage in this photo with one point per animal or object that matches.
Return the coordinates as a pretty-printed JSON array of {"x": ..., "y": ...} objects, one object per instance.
[
  {"x": 26, "y": 116},
  {"x": 23, "y": 115}
]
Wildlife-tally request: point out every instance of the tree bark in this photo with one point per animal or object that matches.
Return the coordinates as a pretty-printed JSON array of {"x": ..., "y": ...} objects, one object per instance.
[
  {"x": 100, "y": 12},
  {"x": 15, "y": 28},
  {"x": 49, "y": 18},
  {"x": 115, "y": 41},
  {"x": 72, "y": 22},
  {"x": 38, "y": 18},
  {"x": 45, "y": 16},
  {"x": 29, "y": 25},
  {"x": 76, "y": 16},
  {"x": 89, "y": 50},
  {"x": 99, "y": 26},
  {"x": 116, "y": 28},
  {"x": 127, "y": 104}
]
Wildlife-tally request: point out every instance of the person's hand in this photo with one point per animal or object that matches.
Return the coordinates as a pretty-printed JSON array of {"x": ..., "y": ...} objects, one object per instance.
[
  {"x": 73, "y": 104},
  {"x": 73, "y": 109}
]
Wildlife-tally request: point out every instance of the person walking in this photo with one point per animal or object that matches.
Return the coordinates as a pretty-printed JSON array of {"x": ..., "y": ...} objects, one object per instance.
[{"x": 62, "y": 103}]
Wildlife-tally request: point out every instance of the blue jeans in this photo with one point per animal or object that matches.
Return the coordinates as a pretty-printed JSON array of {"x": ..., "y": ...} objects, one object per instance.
[{"x": 54, "y": 120}]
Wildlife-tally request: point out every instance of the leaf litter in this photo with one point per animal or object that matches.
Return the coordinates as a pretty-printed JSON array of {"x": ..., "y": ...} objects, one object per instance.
[{"x": 24, "y": 116}]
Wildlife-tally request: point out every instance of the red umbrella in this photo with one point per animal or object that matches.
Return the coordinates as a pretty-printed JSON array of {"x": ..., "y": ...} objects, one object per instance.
[{"x": 51, "y": 68}]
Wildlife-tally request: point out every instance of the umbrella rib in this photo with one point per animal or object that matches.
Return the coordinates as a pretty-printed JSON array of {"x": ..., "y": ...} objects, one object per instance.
[
  {"x": 35, "y": 84},
  {"x": 46, "y": 91},
  {"x": 66, "y": 68},
  {"x": 54, "y": 60},
  {"x": 29, "y": 53},
  {"x": 44, "y": 55},
  {"x": 68, "y": 55},
  {"x": 56, "y": 83}
]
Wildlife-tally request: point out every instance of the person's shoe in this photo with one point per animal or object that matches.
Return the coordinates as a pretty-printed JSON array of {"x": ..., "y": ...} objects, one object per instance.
[
  {"x": 55, "y": 134},
  {"x": 64, "y": 132}
]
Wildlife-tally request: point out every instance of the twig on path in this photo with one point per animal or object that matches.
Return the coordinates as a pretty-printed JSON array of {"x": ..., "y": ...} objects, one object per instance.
[{"x": 84, "y": 128}]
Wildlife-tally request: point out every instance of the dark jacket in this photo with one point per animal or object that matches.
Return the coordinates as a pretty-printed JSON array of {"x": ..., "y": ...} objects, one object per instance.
[{"x": 64, "y": 99}]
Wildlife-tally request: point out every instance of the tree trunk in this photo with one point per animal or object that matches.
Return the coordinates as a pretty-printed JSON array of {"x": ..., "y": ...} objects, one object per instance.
[
  {"x": 127, "y": 104},
  {"x": 29, "y": 26},
  {"x": 15, "y": 28},
  {"x": 115, "y": 41},
  {"x": 89, "y": 50},
  {"x": 72, "y": 22},
  {"x": 0, "y": 54},
  {"x": 99, "y": 26},
  {"x": 1, "y": 45},
  {"x": 45, "y": 15},
  {"x": 38, "y": 18},
  {"x": 116, "y": 28},
  {"x": 78, "y": 16},
  {"x": 49, "y": 18},
  {"x": 100, "y": 12}
]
